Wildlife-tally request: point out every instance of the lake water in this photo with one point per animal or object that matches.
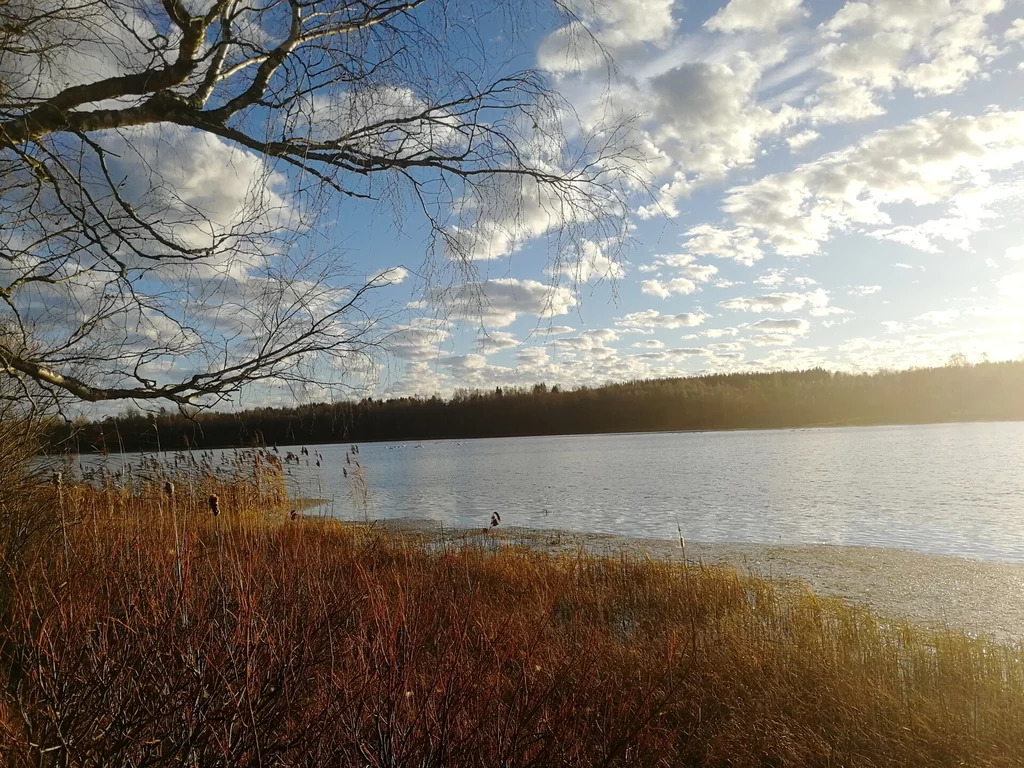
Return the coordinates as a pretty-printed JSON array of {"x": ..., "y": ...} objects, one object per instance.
[{"x": 954, "y": 489}]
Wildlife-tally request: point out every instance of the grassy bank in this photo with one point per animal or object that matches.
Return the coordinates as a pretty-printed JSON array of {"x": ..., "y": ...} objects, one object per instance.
[{"x": 141, "y": 629}]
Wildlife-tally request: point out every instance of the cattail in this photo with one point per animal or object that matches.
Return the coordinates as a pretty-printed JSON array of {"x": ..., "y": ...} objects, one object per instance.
[
  {"x": 344, "y": 472},
  {"x": 347, "y": 459},
  {"x": 169, "y": 489},
  {"x": 214, "y": 504}
]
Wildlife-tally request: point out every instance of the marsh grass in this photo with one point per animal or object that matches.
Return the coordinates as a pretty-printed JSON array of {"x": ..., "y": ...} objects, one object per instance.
[{"x": 168, "y": 635}]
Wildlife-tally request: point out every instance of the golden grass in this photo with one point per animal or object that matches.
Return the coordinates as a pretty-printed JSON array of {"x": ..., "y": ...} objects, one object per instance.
[{"x": 166, "y": 635}]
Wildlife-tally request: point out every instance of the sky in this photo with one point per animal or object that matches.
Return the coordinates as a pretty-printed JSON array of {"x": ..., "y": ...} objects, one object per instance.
[
  {"x": 829, "y": 184},
  {"x": 834, "y": 184}
]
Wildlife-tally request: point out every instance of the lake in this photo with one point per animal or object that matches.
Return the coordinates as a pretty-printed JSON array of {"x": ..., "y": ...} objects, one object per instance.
[{"x": 954, "y": 489}]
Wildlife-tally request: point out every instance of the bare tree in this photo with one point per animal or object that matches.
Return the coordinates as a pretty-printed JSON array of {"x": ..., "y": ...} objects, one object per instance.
[{"x": 170, "y": 173}]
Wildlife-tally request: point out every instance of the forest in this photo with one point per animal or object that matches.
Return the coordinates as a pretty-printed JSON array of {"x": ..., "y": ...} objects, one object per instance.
[{"x": 990, "y": 391}]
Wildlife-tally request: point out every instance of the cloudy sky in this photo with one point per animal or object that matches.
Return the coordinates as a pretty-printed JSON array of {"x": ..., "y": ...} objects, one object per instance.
[
  {"x": 830, "y": 183},
  {"x": 825, "y": 183}
]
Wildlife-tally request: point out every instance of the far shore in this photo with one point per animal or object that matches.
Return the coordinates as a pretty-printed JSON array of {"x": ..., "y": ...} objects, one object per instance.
[{"x": 703, "y": 430}]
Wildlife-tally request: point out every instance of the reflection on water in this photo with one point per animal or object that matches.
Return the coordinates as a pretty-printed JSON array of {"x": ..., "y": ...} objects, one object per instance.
[{"x": 954, "y": 489}]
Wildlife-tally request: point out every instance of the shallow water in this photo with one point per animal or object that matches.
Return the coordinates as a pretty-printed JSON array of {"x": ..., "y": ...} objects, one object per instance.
[
  {"x": 954, "y": 489},
  {"x": 934, "y": 591},
  {"x": 951, "y": 489}
]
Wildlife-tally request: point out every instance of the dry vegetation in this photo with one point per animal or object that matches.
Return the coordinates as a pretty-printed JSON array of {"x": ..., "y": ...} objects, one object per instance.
[{"x": 142, "y": 630}]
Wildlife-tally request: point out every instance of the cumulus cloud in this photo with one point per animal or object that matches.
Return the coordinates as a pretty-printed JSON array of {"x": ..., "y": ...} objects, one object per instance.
[
  {"x": 463, "y": 363},
  {"x": 718, "y": 333},
  {"x": 512, "y": 209},
  {"x": 389, "y": 276},
  {"x": 787, "y": 325},
  {"x": 941, "y": 157},
  {"x": 864, "y": 290},
  {"x": 593, "y": 263},
  {"x": 772, "y": 339},
  {"x": 755, "y": 15},
  {"x": 588, "y": 341},
  {"x": 798, "y": 141},
  {"x": 778, "y": 302},
  {"x": 931, "y": 46},
  {"x": 738, "y": 244},
  {"x": 666, "y": 288},
  {"x": 495, "y": 341},
  {"x": 418, "y": 341},
  {"x": 1015, "y": 253},
  {"x": 498, "y": 303},
  {"x": 616, "y": 25},
  {"x": 938, "y": 316},
  {"x": 708, "y": 118},
  {"x": 725, "y": 347},
  {"x": 652, "y": 318}
]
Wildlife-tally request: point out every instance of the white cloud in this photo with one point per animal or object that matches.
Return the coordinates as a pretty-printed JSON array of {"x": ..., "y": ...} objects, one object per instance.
[
  {"x": 787, "y": 325},
  {"x": 939, "y": 316},
  {"x": 708, "y": 118},
  {"x": 701, "y": 273},
  {"x": 718, "y": 333},
  {"x": 1015, "y": 253},
  {"x": 1011, "y": 285},
  {"x": 738, "y": 244},
  {"x": 864, "y": 290},
  {"x": 666, "y": 288},
  {"x": 652, "y": 318},
  {"x": 755, "y": 15},
  {"x": 592, "y": 264},
  {"x": 798, "y": 141},
  {"x": 616, "y": 25},
  {"x": 497, "y": 303},
  {"x": 773, "y": 278},
  {"x": 941, "y": 158},
  {"x": 463, "y": 363},
  {"x": 772, "y": 339},
  {"x": 726, "y": 347},
  {"x": 511, "y": 209},
  {"x": 418, "y": 341},
  {"x": 495, "y": 341},
  {"x": 649, "y": 344},
  {"x": 930, "y": 46},
  {"x": 555, "y": 330},
  {"x": 778, "y": 302},
  {"x": 389, "y": 276}
]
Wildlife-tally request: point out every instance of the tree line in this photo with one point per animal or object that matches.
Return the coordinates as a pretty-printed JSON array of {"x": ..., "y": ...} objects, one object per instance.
[{"x": 817, "y": 397}]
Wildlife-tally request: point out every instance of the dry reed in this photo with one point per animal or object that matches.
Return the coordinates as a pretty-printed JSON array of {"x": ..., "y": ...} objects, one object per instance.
[{"x": 169, "y": 635}]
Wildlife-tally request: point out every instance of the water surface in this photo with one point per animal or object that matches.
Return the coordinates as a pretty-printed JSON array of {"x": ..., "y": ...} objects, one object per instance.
[{"x": 955, "y": 489}]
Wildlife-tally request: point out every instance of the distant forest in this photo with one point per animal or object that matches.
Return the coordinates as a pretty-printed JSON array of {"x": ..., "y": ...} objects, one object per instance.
[{"x": 987, "y": 391}]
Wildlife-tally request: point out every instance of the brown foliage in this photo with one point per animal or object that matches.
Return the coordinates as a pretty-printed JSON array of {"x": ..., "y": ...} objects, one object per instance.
[{"x": 166, "y": 634}]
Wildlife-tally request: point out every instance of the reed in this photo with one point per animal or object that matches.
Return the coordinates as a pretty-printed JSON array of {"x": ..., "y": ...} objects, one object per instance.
[{"x": 263, "y": 640}]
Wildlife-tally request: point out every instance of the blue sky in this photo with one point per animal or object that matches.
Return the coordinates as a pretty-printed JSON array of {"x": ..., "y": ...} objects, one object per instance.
[{"x": 834, "y": 184}]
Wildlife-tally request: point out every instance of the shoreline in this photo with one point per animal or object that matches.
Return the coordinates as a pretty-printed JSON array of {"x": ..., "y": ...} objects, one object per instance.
[
  {"x": 934, "y": 591},
  {"x": 693, "y": 431}
]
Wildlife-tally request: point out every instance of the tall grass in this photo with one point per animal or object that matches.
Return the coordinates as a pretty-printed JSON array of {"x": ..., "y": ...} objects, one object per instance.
[{"x": 168, "y": 635}]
